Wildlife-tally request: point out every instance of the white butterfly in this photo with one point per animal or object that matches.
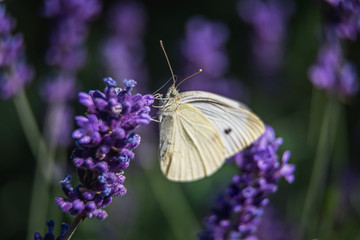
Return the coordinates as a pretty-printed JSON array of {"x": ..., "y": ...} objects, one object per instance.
[{"x": 199, "y": 130}]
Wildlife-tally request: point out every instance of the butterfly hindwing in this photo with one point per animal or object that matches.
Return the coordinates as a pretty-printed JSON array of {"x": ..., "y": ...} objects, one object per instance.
[{"x": 236, "y": 124}]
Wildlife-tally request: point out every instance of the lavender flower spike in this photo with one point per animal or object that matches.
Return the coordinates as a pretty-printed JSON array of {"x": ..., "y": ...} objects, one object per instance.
[
  {"x": 14, "y": 72},
  {"x": 71, "y": 18},
  {"x": 50, "y": 235},
  {"x": 237, "y": 213},
  {"x": 105, "y": 142},
  {"x": 333, "y": 73}
]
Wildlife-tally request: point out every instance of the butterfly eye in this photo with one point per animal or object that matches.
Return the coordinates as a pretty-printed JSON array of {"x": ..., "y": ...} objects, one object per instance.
[{"x": 174, "y": 93}]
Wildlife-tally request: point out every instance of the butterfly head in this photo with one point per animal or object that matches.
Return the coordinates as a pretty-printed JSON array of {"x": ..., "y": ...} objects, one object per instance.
[{"x": 172, "y": 92}]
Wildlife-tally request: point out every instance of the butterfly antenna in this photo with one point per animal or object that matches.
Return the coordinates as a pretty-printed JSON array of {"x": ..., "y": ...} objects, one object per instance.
[
  {"x": 167, "y": 59},
  {"x": 163, "y": 86},
  {"x": 199, "y": 71}
]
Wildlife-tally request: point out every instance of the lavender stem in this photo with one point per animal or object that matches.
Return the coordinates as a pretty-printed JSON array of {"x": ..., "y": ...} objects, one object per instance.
[
  {"x": 318, "y": 100},
  {"x": 320, "y": 167},
  {"x": 72, "y": 228},
  {"x": 29, "y": 125},
  {"x": 167, "y": 194},
  {"x": 44, "y": 166}
]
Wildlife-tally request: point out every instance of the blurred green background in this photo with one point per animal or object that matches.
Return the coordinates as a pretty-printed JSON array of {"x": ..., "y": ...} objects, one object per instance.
[{"x": 314, "y": 126}]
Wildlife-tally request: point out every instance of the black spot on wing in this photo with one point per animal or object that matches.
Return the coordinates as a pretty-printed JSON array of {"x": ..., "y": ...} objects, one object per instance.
[{"x": 227, "y": 130}]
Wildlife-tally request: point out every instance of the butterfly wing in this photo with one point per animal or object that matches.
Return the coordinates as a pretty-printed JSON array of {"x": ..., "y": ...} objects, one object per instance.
[
  {"x": 190, "y": 146},
  {"x": 236, "y": 124}
]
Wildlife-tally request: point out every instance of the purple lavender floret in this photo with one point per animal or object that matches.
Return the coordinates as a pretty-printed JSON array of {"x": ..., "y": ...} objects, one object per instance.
[
  {"x": 273, "y": 225},
  {"x": 14, "y": 71},
  {"x": 66, "y": 54},
  {"x": 49, "y": 235},
  {"x": 71, "y": 29},
  {"x": 123, "y": 51},
  {"x": 269, "y": 20},
  {"x": 346, "y": 22},
  {"x": 333, "y": 73},
  {"x": 105, "y": 142},
  {"x": 204, "y": 46},
  {"x": 238, "y": 212}
]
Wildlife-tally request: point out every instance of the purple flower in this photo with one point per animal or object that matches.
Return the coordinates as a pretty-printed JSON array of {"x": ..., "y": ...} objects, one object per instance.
[
  {"x": 271, "y": 225},
  {"x": 124, "y": 51},
  {"x": 59, "y": 89},
  {"x": 333, "y": 73},
  {"x": 347, "y": 24},
  {"x": 67, "y": 53},
  {"x": 71, "y": 29},
  {"x": 238, "y": 212},
  {"x": 14, "y": 71},
  {"x": 61, "y": 116},
  {"x": 49, "y": 235},
  {"x": 105, "y": 142},
  {"x": 204, "y": 48},
  {"x": 269, "y": 21}
]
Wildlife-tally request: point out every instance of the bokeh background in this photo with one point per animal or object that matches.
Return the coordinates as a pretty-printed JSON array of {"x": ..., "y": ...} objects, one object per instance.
[{"x": 259, "y": 52}]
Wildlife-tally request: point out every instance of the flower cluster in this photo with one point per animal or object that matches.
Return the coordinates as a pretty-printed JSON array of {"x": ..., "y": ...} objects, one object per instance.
[
  {"x": 14, "y": 71},
  {"x": 50, "y": 235},
  {"x": 269, "y": 20},
  {"x": 71, "y": 29},
  {"x": 237, "y": 213},
  {"x": 333, "y": 73},
  {"x": 204, "y": 47},
  {"x": 273, "y": 225},
  {"x": 67, "y": 53},
  {"x": 346, "y": 24},
  {"x": 105, "y": 141},
  {"x": 124, "y": 50}
]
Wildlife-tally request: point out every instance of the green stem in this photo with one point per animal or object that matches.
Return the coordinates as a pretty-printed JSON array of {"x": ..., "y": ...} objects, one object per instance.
[
  {"x": 44, "y": 166},
  {"x": 334, "y": 192},
  {"x": 316, "y": 111},
  {"x": 174, "y": 206},
  {"x": 320, "y": 168},
  {"x": 29, "y": 125}
]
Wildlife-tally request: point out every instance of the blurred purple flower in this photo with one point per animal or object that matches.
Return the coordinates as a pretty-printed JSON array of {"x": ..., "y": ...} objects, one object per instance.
[
  {"x": 49, "y": 235},
  {"x": 60, "y": 115},
  {"x": 123, "y": 54},
  {"x": 237, "y": 213},
  {"x": 58, "y": 89},
  {"x": 67, "y": 54},
  {"x": 269, "y": 21},
  {"x": 128, "y": 19},
  {"x": 105, "y": 142},
  {"x": 71, "y": 19},
  {"x": 14, "y": 71},
  {"x": 124, "y": 51},
  {"x": 271, "y": 227},
  {"x": 204, "y": 48},
  {"x": 333, "y": 73},
  {"x": 346, "y": 23}
]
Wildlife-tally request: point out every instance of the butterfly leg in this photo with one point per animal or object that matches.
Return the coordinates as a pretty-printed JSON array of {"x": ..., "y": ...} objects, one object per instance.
[
  {"x": 156, "y": 106},
  {"x": 155, "y": 120}
]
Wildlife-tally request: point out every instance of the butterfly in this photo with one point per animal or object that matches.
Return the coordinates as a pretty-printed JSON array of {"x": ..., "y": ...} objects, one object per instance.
[{"x": 199, "y": 130}]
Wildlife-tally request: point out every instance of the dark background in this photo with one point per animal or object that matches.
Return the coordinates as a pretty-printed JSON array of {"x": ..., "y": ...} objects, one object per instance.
[{"x": 155, "y": 208}]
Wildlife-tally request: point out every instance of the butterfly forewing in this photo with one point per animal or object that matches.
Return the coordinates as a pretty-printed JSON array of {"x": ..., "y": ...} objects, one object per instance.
[
  {"x": 193, "y": 96},
  {"x": 190, "y": 145},
  {"x": 237, "y": 126}
]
